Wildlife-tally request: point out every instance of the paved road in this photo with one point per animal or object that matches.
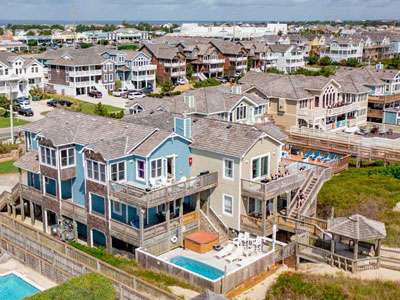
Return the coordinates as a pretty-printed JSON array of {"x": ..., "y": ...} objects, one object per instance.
[{"x": 106, "y": 99}]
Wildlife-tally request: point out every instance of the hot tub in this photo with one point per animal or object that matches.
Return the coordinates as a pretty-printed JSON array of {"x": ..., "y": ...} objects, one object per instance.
[{"x": 201, "y": 241}]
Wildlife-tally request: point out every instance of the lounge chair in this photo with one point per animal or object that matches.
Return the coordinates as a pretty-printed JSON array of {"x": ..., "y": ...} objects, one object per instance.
[
  {"x": 325, "y": 157},
  {"x": 308, "y": 154},
  {"x": 235, "y": 255},
  {"x": 316, "y": 155},
  {"x": 227, "y": 250}
]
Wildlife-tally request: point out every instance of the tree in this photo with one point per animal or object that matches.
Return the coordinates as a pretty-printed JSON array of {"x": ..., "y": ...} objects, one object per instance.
[
  {"x": 100, "y": 109},
  {"x": 86, "y": 45},
  {"x": 103, "y": 42},
  {"x": 117, "y": 84},
  {"x": 325, "y": 61},
  {"x": 30, "y": 33},
  {"x": 189, "y": 71},
  {"x": 312, "y": 59},
  {"x": 352, "y": 62},
  {"x": 32, "y": 43},
  {"x": 4, "y": 102},
  {"x": 167, "y": 86}
]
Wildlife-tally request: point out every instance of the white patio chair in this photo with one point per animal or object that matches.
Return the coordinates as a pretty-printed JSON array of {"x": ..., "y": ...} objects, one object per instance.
[{"x": 227, "y": 250}]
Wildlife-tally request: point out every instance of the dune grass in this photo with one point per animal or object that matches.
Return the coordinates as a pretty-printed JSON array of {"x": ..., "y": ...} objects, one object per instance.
[
  {"x": 295, "y": 286},
  {"x": 372, "y": 191}
]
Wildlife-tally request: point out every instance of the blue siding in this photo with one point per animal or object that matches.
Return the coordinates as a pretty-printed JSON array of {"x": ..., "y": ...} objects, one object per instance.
[
  {"x": 116, "y": 216},
  {"x": 128, "y": 215},
  {"x": 51, "y": 186},
  {"x": 98, "y": 204},
  {"x": 133, "y": 216},
  {"x": 390, "y": 117},
  {"x": 78, "y": 185},
  {"x": 152, "y": 218},
  {"x": 174, "y": 146},
  {"x": 130, "y": 163},
  {"x": 66, "y": 189},
  {"x": 32, "y": 136}
]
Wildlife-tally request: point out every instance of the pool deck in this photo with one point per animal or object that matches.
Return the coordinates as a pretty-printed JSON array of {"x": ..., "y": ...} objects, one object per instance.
[
  {"x": 38, "y": 280},
  {"x": 211, "y": 259}
]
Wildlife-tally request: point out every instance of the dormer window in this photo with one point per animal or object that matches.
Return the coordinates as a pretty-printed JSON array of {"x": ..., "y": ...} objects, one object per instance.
[{"x": 48, "y": 156}]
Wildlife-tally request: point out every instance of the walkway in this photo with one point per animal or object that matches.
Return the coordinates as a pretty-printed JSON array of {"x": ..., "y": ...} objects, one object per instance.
[{"x": 106, "y": 99}]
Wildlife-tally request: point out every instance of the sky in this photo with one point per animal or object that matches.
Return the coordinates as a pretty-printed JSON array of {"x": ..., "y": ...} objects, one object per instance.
[{"x": 213, "y": 10}]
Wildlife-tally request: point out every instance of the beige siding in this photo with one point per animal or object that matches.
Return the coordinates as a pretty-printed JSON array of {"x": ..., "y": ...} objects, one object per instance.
[
  {"x": 285, "y": 119},
  {"x": 207, "y": 161}
]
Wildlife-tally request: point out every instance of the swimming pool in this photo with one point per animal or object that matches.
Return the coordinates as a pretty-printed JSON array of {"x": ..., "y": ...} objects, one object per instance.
[
  {"x": 14, "y": 287},
  {"x": 197, "y": 267}
]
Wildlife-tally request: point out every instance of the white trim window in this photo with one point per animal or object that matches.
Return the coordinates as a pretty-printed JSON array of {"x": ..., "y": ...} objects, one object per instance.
[
  {"x": 156, "y": 168},
  {"x": 48, "y": 156},
  {"x": 67, "y": 157},
  {"x": 140, "y": 169},
  {"x": 227, "y": 204},
  {"x": 117, "y": 208},
  {"x": 260, "y": 167},
  {"x": 118, "y": 171},
  {"x": 228, "y": 168},
  {"x": 241, "y": 112},
  {"x": 96, "y": 171}
]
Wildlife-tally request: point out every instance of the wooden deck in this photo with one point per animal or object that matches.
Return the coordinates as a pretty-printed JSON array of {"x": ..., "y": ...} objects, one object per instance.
[
  {"x": 368, "y": 148},
  {"x": 154, "y": 197}
]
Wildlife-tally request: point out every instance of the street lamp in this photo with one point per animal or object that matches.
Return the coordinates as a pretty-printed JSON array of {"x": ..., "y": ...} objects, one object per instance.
[{"x": 11, "y": 86}]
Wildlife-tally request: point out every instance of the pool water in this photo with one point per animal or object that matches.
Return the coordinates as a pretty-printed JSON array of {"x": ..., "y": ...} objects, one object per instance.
[
  {"x": 13, "y": 287},
  {"x": 197, "y": 267}
]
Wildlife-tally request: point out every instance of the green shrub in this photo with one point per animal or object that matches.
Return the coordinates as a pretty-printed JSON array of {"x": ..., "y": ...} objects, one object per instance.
[
  {"x": 85, "y": 287},
  {"x": 2, "y": 111},
  {"x": 206, "y": 83},
  {"x": 128, "y": 47}
]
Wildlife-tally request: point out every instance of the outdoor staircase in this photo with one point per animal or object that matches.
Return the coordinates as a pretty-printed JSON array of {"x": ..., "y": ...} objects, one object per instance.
[
  {"x": 211, "y": 222},
  {"x": 201, "y": 76},
  {"x": 6, "y": 197},
  {"x": 310, "y": 189}
]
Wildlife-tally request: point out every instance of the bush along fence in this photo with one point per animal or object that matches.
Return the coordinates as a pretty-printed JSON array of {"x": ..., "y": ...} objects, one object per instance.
[{"x": 59, "y": 261}]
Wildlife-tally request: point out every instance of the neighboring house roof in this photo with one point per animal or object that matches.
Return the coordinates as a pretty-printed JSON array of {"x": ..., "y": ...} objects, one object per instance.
[
  {"x": 226, "y": 138},
  {"x": 227, "y": 47},
  {"x": 111, "y": 138},
  {"x": 367, "y": 75},
  {"x": 7, "y": 58},
  {"x": 162, "y": 51},
  {"x": 209, "y": 295},
  {"x": 357, "y": 227}
]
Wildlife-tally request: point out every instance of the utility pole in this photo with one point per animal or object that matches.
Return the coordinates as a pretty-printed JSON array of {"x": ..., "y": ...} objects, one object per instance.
[{"x": 11, "y": 117}]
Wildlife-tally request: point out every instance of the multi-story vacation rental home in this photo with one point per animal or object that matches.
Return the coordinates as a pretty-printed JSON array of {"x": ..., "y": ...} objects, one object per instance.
[
  {"x": 315, "y": 102},
  {"x": 18, "y": 74},
  {"x": 123, "y": 185}
]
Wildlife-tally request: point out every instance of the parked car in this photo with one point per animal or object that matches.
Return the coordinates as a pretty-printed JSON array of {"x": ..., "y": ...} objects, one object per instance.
[
  {"x": 222, "y": 79},
  {"x": 147, "y": 90},
  {"x": 134, "y": 95},
  {"x": 62, "y": 102},
  {"x": 120, "y": 92},
  {"x": 25, "y": 110},
  {"x": 22, "y": 101},
  {"x": 181, "y": 81},
  {"x": 95, "y": 94}
]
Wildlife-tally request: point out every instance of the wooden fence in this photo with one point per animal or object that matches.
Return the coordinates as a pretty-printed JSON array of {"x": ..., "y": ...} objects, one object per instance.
[{"x": 59, "y": 261}]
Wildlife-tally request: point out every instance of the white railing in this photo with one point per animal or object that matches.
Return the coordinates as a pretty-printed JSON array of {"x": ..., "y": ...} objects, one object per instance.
[
  {"x": 175, "y": 65},
  {"x": 82, "y": 83},
  {"x": 85, "y": 73},
  {"x": 144, "y": 77},
  {"x": 241, "y": 58},
  {"x": 215, "y": 70},
  {"x": 178, "y": 73},
  {"x": 214, "y": 61},
  {"x": 144, "y": 68}
]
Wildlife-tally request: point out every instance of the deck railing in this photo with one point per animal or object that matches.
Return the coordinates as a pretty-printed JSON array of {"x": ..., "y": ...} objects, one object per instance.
[
  {"x": 165, "y": 193},
  {"x": 269, "y": 190}
]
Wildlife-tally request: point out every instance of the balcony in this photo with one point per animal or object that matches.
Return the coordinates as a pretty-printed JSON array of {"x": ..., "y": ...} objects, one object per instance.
[
  {"x": 384, "y": 99},
  {"x": 265, "y": 191},
  {"x": 82, "y": 83},
  {"x": 143, "y": 77},
  {"x": 214, "y": 61},
  {"x": 178, "y": 74},
  {"x": 144, "y": 68},
  {"x": 74, "y": 211},
  {"x": 97, "y": 72},
  {"x": 175, "y": 64},
  {"x": 240, "y": 58},
  {"x": 343, "y": 109},
  {"x": 150, "y": 198},
  {"x": 216, "y": 70},
  {"x": 375, "y": 113}
]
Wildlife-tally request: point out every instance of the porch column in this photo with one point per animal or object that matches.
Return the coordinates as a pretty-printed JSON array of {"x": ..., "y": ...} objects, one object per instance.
[
  {"x": 181, "y": 222},
  {"x": 32, "y": 212},
  {"x": 264, "y": 213},
  {"x": 141, "y": 227},
  {"x": 355, "y": 249},
  {"x": 275, "y": 205},
  {"x": 167, "y": 216},
  {"x": 378, "y": 253},
  {"x": 333, "y": 244},
  {"x": 198, "y": 209},
  {"x": 21, "y": 201},
  {"x": 288, "y": 199},
  {"x": 44, "y": 219},
  {"x": 14, "y": 210}
]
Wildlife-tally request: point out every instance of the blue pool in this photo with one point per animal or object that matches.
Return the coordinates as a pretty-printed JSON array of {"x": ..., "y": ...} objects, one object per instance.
[
  {"x": 197, "y": 267},
  {"x": 13, "y": 287}
]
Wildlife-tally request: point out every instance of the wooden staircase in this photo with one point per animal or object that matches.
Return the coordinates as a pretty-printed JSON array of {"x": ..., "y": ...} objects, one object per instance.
[{"x": 211, "y": 222}]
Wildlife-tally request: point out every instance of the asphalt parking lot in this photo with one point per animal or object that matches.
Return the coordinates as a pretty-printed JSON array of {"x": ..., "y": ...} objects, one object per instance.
[{"x": 106, "y": 99}]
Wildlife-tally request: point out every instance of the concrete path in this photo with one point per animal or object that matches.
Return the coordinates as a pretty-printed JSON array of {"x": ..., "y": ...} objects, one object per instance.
[{"x": 106, "y": 99}]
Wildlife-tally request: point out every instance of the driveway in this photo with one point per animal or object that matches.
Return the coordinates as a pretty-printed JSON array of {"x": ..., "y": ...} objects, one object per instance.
[
  {"x": 106, "y": 99},
  {"x": 38, "y": 108}
]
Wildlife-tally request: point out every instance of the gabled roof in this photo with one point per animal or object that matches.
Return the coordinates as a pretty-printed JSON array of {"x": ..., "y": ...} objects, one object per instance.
[
  {"x": 357, "y": 227},
  {"x": 109, "y": 137},
  {"x": 162, "y": 51},
  {"x": 227, "y": 47}
]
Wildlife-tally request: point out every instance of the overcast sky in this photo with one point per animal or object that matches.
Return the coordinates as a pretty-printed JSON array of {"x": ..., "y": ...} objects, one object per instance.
[{"x": 76, "y": 10}]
